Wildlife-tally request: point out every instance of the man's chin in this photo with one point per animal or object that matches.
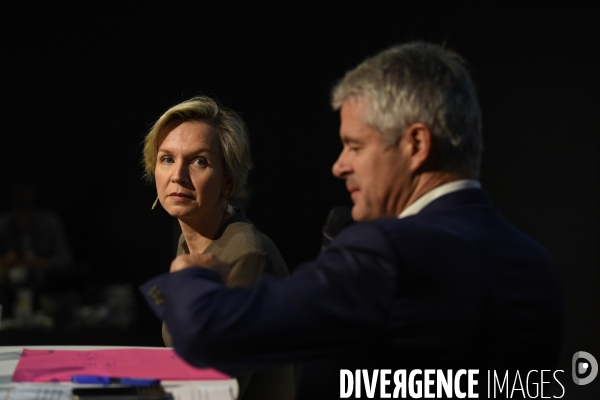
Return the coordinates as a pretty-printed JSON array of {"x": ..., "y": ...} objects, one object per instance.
[
  {"x": 359, "y": 215},
  {"x": 363, "y": 214}
]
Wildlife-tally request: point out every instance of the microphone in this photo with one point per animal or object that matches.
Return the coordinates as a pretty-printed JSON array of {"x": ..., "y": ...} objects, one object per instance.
[{"x": 339, "y": 218}]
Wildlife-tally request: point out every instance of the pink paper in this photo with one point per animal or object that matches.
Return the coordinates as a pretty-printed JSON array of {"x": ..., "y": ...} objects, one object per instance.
[{"x": 60, "y": 365}]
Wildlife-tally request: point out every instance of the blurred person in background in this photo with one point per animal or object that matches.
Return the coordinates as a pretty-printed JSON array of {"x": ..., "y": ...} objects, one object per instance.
[
  {"x": 198, "y": 154},
  {"x": 32, "y": 244}
]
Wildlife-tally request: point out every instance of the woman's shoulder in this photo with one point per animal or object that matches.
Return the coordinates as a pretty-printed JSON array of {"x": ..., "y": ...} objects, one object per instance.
[
  {"x": 241, "y": 239},
  {"x": 245, "y": 237},
  {"x": 242, "y": 234}
]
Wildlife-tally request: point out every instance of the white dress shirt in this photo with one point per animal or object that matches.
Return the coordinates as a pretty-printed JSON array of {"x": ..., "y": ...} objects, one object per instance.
[{"x": 439, "y": 191}]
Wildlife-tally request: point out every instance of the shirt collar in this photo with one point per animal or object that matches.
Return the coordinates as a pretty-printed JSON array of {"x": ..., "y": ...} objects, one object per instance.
[{"x": 439, "y": 191}]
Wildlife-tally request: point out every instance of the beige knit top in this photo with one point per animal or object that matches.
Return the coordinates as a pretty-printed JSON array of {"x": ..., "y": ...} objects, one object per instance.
[{"x": 250, "y": 254}]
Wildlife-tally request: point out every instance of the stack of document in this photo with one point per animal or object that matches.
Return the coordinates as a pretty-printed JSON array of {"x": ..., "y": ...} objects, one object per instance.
[
  {"x": 61, "y": 365},
  {"x": 43, "y": 371},
  {"x": 33, "y": 391}
]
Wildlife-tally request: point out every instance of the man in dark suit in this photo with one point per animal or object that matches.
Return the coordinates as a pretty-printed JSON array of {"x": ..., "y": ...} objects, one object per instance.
[{"x": 433, "y": 277}]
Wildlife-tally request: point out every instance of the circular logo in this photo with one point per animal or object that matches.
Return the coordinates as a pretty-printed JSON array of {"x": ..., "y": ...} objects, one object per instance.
[{"x": 584, "y": 367}]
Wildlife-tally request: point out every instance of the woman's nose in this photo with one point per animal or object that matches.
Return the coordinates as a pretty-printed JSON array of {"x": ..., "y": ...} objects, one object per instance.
[{"x": 180, "y": 173}]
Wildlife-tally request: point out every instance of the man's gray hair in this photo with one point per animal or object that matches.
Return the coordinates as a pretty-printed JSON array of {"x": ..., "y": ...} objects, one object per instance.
[{"x": 420, "y": 82}]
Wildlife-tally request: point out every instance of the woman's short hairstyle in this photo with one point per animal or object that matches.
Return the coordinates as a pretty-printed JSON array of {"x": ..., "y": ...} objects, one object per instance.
[
  {"x": 230, "y": 128},
  {"x": 420, "y": 82}
]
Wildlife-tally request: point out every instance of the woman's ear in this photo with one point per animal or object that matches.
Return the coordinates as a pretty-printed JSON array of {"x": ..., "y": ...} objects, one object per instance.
[{"x": 227, "y": 187}]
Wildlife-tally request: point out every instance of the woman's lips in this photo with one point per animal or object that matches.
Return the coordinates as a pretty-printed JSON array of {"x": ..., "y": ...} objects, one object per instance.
[{"x": 180, "y": 196}]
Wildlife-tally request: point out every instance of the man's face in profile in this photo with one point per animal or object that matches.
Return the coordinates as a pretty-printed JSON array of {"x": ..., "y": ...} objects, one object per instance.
[{"x": 374, "y": 172}]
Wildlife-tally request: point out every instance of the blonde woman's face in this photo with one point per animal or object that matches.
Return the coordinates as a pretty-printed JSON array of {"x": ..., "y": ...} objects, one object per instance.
[{"x": 190, "y": 175}]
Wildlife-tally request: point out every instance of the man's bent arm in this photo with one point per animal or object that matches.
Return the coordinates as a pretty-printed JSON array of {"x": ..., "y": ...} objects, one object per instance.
[{"x": 335, "y": 303}]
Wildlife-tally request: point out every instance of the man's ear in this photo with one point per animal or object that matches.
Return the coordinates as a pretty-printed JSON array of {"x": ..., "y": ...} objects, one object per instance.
[{"x": 417, "y": 145}]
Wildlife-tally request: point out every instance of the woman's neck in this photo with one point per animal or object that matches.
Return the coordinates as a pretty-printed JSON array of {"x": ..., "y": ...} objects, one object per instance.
[{"x": 199, "y": 233}]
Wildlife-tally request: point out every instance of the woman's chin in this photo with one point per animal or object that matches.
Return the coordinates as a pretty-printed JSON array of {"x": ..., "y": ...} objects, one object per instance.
[{"x": 180, "y": 211}]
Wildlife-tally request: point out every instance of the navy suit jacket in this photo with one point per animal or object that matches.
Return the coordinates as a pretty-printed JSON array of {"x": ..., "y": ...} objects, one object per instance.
[{"x": 454, "y": 286}]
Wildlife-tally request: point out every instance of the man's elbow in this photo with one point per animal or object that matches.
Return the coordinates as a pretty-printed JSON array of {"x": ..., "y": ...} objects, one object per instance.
[
  {"x": 202, "y": 351},
  {"x": 195, "y": 346}
]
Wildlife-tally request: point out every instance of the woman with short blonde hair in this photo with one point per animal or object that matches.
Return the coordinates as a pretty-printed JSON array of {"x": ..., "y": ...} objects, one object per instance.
[
  {"x": 230, "y": 128},
  {"x": 198, "y": 154}
]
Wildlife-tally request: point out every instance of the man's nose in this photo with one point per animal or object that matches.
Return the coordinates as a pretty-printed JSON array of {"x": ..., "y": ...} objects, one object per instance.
[{"x": 341, "y": 167}]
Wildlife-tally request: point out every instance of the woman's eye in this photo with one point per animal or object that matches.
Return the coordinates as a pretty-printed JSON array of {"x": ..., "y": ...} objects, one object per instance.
[
  {"x": 167, "y": 159},
  {"x": 201, "y": 162}
]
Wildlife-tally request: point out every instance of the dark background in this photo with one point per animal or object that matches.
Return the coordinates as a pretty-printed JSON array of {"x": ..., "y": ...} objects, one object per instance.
[{"x": 81, "y": 85}]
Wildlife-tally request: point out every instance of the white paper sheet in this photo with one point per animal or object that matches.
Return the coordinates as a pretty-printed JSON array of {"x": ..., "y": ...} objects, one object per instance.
[
  {"x": 44, "y": 391},
  {"x": 197, "y": 392},
  {"x": 37, "y": 391}
]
